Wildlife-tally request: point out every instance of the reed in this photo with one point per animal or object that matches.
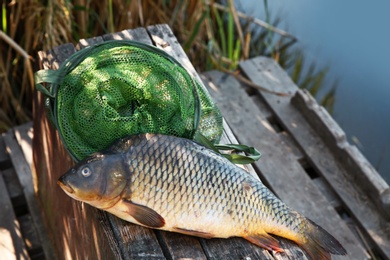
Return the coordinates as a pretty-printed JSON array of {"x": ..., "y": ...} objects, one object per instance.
[{"x": 214, "y": 36}]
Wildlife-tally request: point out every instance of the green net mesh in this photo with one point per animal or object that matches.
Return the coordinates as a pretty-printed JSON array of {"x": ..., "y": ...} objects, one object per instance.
[{"x": 119, "y": 88}]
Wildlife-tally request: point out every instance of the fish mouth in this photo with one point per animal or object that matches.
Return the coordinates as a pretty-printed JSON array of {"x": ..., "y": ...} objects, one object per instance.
[{"x": 62, "y": 183}]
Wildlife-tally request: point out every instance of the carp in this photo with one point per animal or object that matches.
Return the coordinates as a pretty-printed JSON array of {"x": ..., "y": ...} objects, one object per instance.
[{"x": 175, "y": 184}]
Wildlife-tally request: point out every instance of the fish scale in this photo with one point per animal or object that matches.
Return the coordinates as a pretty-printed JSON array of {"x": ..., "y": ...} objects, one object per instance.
[{"x": 177, "y": 185}]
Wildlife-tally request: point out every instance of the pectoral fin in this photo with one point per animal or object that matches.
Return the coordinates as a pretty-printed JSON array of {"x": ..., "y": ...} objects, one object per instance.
[
  {"x": 193, "y": 232},
  {"x": 265, "y": 241},
  {"x": 144, "y": 215}
]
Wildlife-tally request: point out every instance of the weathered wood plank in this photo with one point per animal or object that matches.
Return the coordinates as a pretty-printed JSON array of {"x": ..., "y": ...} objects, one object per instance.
[
  {"x": 140, "y": 242},
  {"x": 15, "y": 191},
  {"x": 373, "y": 184},
  {"x": 328, "y": 192},
  {"x": 132, "y": 241},
  {"x": 136, "y": 233},
  {"x": 233, "y": 248},
  {"x": 83, "y": 43},
  {"x": 11, "y": 241},
  {"x": 137, "y": 34},
  {"x": 157, "y": 33},
  {"x": 278, "y": 165},
  {"x": 268, "y": 74},
  {"x": 137, "y": 242},
  {"x": 23, "y": 171},
  {"x": 163, "y": 37},
  {"x": 61, "y": 53},
  {"x": 19, "y": 163},
  {"x": 178, "y": 246},
  {"x": 69, "y": 222},
  {"x": 24, "y": 135},
  {"x": 30, "y": 236}
]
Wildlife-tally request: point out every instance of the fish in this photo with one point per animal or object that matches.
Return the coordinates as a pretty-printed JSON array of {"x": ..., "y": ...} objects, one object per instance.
[{"x": 175, "y": 184}]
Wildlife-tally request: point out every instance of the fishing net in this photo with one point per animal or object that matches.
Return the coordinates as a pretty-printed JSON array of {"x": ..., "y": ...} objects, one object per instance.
[{"x": 118, "y": 88}]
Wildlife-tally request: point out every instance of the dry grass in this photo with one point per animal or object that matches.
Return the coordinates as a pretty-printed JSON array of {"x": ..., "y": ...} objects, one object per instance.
[{"x": 214, "y": 36}]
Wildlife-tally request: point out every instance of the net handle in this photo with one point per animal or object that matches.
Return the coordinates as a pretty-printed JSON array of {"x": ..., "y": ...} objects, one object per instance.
[
  {"x": 52, "y": 77},
  {"x": 252, "y": 154}
]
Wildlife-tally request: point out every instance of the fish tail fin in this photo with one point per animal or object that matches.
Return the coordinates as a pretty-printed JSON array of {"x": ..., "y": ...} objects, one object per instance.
[{"x": 317, "y": 242}]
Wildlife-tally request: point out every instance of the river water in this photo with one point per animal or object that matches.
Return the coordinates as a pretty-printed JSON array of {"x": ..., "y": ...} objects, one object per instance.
[{"x": 352, "y": 37}]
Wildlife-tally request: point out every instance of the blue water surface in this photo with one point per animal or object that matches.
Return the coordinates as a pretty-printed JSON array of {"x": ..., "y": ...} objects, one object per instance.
[{"x": 353, "y": 38}]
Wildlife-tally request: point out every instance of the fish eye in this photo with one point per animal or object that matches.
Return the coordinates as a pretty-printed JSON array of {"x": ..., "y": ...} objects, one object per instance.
[{"x": 86, "y": 171}]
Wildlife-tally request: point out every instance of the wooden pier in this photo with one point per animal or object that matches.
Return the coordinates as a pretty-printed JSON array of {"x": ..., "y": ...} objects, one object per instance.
[{"x": 306, "y": 161}]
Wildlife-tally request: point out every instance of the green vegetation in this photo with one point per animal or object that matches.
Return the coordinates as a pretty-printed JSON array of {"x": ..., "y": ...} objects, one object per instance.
[{"x": 214, "y": 37}]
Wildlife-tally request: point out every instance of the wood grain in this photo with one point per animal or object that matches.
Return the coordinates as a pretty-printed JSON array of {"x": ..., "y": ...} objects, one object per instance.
[
  {"x": 11, "y": 241},
  {"x": 74, "y": 229},
  {"x": 330, "y": 165}
]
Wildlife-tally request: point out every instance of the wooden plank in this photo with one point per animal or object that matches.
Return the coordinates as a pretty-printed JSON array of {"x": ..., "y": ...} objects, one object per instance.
[
  {"x": 134, "y": 234},
  {"x": 137, "y": 34},
  {"x": 328, "y": 192},
  {"x": 334, "y": 136},
  {"x": 192, "y": 246},
  {"x": 23, "y": 171},
  {"x": 30, "y": 236},
  {"x": 163, "y": 37},
  {"x": 61, "y": 53},
  {"x": 233, "y": 248},
  {"x": 83, "y": 43},
  {"x": 137, "y": 232},
  {"x": 15, "y": 191},
  {"x": 278, "y": 165},
  {"x": 268, "y": 74},
  {"x": 139, "y": 242},
  {"x": 24, "y": 135},
  {"x": 178, "y": 246},
  {"x": 131, "y": 240},
  {"x": 69, "y": 222},
  {"x": 19, "y": 163},
  {"x": 11, "y": 242}
]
